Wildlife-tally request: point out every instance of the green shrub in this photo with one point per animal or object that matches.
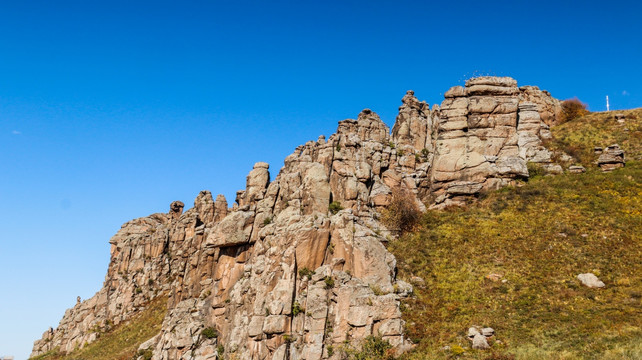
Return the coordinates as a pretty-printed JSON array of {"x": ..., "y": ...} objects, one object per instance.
[
  {"x": 146, "y": 354},
  {"x": 220, "y": 350},
  {"x": 373, "y": 348},
  {"x": 288, "y": 338},
  {"x": 209, "y": 333},
  {"x": 329, "y": 282},
  {"x": 296, "y": 308},
  {"x": 535, "y": 169},
  {"x": 335, "y": 207},
  {"x": 267, "y": 221},
  {"x": 305, "y": 272}
]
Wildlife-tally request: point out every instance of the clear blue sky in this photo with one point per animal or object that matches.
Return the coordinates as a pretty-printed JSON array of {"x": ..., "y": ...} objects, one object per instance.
[{"x": 111, "y": 110}]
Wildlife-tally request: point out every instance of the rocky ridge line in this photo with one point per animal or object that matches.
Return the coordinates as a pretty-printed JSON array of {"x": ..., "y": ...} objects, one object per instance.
[{"x": 279, "y": 274}]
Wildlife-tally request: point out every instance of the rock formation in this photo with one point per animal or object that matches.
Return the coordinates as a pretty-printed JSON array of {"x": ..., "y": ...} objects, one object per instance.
[
  {"x": 611, "y": 158},
  {"x": 282, "y": 274}
]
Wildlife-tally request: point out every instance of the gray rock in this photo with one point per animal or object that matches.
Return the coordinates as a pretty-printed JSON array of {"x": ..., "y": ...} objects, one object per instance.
[
  {"x": 480, "y": 342},
  {"x": 576, "y": 169},
  {"x": 590, "y": 280},
  {"x": 611, "y": 158}
]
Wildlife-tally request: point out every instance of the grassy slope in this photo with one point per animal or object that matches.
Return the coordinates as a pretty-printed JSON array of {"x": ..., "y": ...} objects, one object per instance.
[
  {"x": 579, "y": 137},
  {"x": 121, "y": 342},
  {"x": 538, "y": 237}
]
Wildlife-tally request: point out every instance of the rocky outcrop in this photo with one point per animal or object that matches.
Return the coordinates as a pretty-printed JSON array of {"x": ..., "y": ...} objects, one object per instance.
[
  {"x": 487, "y": 131},
  {"x": 297, "y": 266},
  {"x": 611, "y": 158}
]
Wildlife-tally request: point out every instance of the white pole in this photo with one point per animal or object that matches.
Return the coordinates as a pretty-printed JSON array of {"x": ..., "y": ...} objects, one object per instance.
[{"x": 607, "y": 103}]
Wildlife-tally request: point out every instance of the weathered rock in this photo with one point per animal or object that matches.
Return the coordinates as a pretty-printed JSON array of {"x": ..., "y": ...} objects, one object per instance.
[
  {"x": 611, "y": 158},
  {"x": 282, "y": 264},
  {"x": 480, "y": 342},
  {"x": 414, "y": 124},
  {"x": 576, "y": 169},
  {"x": 176, "y": 209},
  {"x": 485, "y": 135},
  {"x": 590, "y": 280},
  {"x": 479, "y": 337}
]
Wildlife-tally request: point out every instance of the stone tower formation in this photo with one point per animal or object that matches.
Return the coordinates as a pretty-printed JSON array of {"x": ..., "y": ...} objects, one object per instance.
[{"x": 279, "y": 275}]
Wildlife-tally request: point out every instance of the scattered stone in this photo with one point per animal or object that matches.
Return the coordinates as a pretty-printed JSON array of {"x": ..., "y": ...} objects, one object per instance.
[
  {"x": 612, "y": 158},
  {"x": 480, "y": 342},
  {"x": 418, "y": 281},
  {"x": 494, "y": 277},
  {"x": 621, "y": 118},
  {"x": 479, "y": 336},
  {"x": 576, "y": 169},
  {"x": 488, "y": 332},
  {"x": 554, "y": 169},
  {"x": 590, "y": 280},
  {"x": 598, "y": 150}
]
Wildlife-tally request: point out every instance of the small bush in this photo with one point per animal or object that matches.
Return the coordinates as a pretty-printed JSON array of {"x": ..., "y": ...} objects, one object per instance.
[
  {"x": 376, "y": 289},
  {"x": 209, "y": 333},
  {"x": 288, "y": 338},
  {"x": 305, "y": 272},
  {"x": 330, "y": 349},
  {"x": 374, "y": 347},
  {"x": 220, "y": 350},
  {"x": 335, "y": 207},
  {"x": 267, "y": 221},
  {"x": 146, "y": 354},
  {"x": 402, "y": 213},
  {"x": 572, "y": 109},
  {"x": 329, "y": 282},
  {"x": 296, "y": 308},
  {"x": 534, "y": 169}
]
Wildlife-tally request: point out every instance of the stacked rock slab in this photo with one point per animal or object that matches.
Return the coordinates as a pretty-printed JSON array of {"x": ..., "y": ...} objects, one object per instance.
[
  {"x": 280, "y": 274},
  {"x": 611, "y": 158},
  {"x": 486, "y": 134}
]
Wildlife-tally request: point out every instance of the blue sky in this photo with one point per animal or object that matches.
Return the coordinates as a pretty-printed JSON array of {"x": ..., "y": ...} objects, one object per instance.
[{"x": 111, "y": 110}]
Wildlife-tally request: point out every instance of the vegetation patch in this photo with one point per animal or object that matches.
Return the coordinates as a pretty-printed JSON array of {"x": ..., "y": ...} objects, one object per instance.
[
  {"x": 123, "y": 340},
  {"x": 579, "y": 137},
  {"x": 373, "y": 348},
  {"x": 402, "y": 214},
  {"x": 209, "y": 333},
  {"x": 335, "y": 207},
  {"x": 538, "y": 238}
]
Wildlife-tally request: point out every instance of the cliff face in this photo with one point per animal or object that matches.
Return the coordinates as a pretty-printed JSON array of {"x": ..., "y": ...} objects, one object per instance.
[{"x": 282, "y": 274}]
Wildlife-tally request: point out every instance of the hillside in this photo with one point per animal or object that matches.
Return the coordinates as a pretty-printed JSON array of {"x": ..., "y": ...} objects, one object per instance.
[{"x": 536, "y": 238}]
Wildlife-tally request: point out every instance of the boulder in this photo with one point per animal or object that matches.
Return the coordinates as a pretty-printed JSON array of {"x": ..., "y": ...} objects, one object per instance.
[{"x": 590, "y": 280}]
